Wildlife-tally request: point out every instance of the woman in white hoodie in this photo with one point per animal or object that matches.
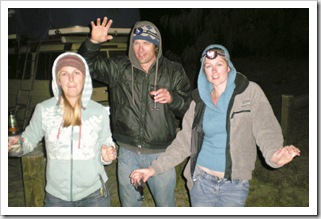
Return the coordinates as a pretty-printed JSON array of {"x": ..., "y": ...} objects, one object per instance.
[{"x": 77, "y": 137}]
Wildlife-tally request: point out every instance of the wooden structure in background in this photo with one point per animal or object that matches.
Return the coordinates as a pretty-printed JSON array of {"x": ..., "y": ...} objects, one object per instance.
[
  {"x": 100, "y": 95},
  {"x": 289, "y": 104},
  {"x": 33, "y": 169},
  {"x": 61, "y": 40}
]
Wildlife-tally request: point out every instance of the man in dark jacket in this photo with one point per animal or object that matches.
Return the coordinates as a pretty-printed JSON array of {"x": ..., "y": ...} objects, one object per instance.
[{"x": 142, "y": 126}]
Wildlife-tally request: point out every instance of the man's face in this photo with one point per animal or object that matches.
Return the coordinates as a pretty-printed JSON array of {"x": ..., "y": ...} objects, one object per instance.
[{"x": 144, "y": 52}]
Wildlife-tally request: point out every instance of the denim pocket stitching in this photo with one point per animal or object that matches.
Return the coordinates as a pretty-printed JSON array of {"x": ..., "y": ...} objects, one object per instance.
[{"x": 244, "y": 184}]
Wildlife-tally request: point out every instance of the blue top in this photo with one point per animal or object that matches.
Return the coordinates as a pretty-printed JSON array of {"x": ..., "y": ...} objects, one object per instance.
[{"x": 212, "y": 154}]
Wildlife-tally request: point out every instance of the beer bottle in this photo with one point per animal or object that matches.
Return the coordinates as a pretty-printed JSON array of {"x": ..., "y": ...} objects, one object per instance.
[{"x": 13, "y": 131}]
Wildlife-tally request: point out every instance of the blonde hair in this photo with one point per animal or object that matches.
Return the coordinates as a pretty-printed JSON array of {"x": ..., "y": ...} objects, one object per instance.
[{"x": 72, "y": 115}]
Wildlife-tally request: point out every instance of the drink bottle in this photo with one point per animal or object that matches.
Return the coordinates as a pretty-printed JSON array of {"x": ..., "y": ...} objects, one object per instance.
[{"x": 13, "y": 131}]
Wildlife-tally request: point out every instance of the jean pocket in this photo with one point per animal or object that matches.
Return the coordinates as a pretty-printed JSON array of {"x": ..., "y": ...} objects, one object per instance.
[
  {"x": 244, "y": 184},
  {"x": 197, "y": 175}
]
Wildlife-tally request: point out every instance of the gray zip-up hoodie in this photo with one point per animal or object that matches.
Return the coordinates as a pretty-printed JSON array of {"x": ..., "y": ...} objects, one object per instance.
[
  {"x": 250, "y": 123},
  {"x": 74, "y": 152}
]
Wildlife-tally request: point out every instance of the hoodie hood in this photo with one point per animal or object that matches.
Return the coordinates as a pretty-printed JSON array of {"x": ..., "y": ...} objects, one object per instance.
[
  {"x": 88, "y": 89},
  {"x": 205, "y": 87},
  {"x": 131, "y": 53}
]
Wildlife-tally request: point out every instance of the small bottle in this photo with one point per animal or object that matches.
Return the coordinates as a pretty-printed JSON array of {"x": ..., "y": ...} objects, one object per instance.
[{"x": 13, "y": 131}]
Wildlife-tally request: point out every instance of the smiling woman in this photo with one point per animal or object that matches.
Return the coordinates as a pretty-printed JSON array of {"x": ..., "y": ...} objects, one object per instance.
[
  {"x": 71, "y": 80},
  {"x": 70, "y": 70},
  {"x": 238, "y": 104},
  {"x": 77, "y": 137}
]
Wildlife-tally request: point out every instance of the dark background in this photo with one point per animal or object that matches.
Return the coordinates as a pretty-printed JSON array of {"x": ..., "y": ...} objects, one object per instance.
[
  {"x": 257, "y": 33},
  {"x": 250, "y": 32}
]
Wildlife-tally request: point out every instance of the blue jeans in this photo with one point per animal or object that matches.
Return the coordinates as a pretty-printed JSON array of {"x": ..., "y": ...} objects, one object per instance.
[
  {"x": 161, "y": 187},
  {"x": 210, "y": 191},
  {"x": 92, "y": 200}
]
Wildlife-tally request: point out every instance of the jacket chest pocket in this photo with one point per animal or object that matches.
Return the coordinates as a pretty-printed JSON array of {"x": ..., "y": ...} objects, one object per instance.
[
  {"x": 240, "y": 112},
  {"x": 244, "y": 109}
]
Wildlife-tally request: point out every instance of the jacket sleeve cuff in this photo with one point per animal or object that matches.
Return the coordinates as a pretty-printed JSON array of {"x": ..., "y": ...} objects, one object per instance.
[
  {"x": 104, "y": 162},
  {"x": 92, "y": 46}
]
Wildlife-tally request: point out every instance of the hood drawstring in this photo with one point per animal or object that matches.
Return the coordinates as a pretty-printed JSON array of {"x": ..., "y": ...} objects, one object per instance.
[
  {"x": 155, "y": 80},
  {"x": 59, "y": 130},
  {"x": 79, "y": 137},
  {"x": 156, "y": 71},
  {"x": 133, "y": 84}
]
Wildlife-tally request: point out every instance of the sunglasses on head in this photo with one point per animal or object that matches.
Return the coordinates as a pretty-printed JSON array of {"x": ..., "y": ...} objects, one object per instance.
[{"x": 212, "y": 53}]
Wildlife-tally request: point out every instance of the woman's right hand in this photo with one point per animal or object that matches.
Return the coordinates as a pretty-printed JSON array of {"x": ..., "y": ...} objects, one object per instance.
[
  {"x": 13, "y": 140},
  {"x": 99, "y": 32},
  {"x": 144, "y": 174}
]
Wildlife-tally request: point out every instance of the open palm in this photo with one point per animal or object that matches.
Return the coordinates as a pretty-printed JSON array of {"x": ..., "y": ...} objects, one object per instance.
[{"x": 99, "y": 32}]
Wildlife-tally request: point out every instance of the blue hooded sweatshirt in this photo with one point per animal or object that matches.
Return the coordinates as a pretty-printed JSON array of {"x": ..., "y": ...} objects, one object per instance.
[{"x": 212, "y": 155}]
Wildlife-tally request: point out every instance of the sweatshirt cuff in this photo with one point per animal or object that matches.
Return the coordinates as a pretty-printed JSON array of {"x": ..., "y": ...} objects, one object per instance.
[{"x": 104, "y": 162}]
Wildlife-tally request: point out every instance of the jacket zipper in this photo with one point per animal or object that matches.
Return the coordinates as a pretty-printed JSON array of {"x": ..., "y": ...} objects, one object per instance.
[{"x": 71, "y": 161}]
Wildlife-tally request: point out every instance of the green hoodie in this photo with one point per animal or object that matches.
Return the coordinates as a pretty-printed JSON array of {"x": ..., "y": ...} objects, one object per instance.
[{"x": 74, "y": 152}]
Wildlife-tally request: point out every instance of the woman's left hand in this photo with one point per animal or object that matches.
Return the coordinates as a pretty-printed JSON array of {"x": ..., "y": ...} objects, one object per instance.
[
  {"x": 108, "y": 153},
  {"x": 285, "y": 155}
]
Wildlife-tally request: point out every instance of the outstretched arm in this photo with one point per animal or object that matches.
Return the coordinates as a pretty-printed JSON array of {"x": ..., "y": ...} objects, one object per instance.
[{"x": 285, "y": 155}]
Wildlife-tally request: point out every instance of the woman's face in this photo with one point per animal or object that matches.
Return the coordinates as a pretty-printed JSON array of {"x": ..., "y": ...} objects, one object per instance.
[
  {"x": 216, "y": 70},
  {"x": 71, "y": 81}
]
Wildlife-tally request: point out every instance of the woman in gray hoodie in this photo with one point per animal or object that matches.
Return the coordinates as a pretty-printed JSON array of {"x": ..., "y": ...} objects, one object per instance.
[
  {"x": 228, "y": 117},
  {"x": 77, "y": 137}
]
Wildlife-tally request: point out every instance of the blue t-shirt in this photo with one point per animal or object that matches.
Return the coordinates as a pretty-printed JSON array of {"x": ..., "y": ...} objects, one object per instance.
[
  {"x": 213, "y": 152},
  {"x": 212, "y": 155}
]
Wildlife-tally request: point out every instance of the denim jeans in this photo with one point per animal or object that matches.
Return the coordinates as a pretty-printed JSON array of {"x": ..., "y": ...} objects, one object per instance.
[
  {"x": 162, "y": 186},
  {"x": 210, "y": 191},
  {"x": 92, "y": 200}
]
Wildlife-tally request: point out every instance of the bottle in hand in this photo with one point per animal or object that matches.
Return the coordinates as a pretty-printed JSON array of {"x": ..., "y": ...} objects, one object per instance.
[{"x": 14, "y": 132}]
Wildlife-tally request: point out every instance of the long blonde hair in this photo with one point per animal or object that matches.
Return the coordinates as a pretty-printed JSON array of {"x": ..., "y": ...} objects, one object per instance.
[{"x": 71, "y": 115}]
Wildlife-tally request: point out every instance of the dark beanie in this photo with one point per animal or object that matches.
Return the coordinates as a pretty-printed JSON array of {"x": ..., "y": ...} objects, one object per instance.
[
  {"x": 73, "y": 61},
  {"x": 146, "y": 32}
]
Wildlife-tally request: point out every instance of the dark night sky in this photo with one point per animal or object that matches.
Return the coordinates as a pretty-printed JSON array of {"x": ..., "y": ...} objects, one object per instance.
[
  {"x": 262, "y": 31},
  {"x": 279, "y": 33},
  {"x": 245, "y": 32}
]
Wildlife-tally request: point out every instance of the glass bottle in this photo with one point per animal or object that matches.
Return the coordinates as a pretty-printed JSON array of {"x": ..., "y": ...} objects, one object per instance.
[{"x": 13, "y": 131}]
